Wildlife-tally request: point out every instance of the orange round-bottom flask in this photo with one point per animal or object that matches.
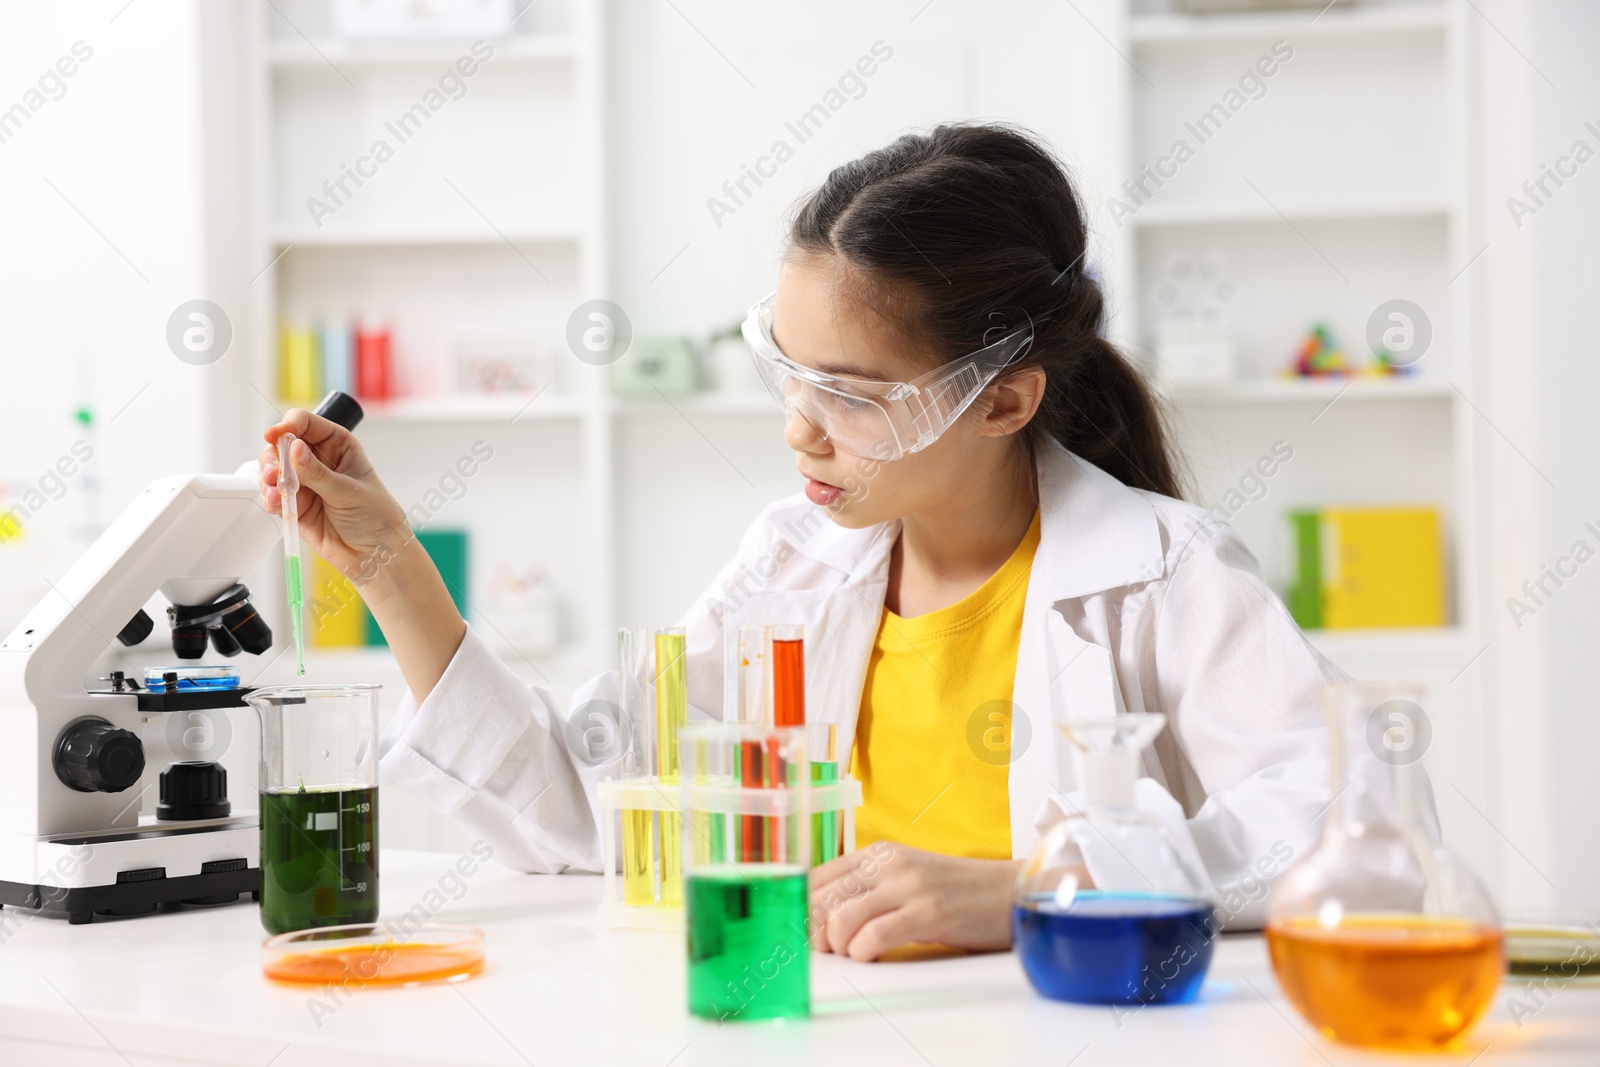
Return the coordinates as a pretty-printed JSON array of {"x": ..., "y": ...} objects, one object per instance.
[{"x": 1399, "y": 981}]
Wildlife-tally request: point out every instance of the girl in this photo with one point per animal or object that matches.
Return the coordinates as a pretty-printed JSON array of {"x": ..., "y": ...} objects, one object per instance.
[{"x": 989, "y": 534}]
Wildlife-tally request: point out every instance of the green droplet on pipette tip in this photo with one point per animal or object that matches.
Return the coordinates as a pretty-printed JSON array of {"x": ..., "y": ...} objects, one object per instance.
[{"x": 291, "y": 573}]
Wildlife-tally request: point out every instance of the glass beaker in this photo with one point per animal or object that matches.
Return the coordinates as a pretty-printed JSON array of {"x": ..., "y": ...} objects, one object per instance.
[
  {"x": 1381, "y": 937},
  {"x": 1110, "y": 910},
  {"x": 319, "y": 805},
  {"x": 746, "y": 850}
]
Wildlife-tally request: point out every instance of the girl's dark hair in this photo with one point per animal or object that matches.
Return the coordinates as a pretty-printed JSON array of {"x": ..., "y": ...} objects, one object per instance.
[{"x": 955, "y": 232}]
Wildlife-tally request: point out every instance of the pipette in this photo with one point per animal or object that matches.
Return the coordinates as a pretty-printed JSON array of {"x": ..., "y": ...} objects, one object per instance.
[{"x": 289, "y": 493}]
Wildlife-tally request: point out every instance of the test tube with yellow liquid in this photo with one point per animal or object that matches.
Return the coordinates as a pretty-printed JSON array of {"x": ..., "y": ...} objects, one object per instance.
[
  {"x": 672, "y": 713},
  {"x": 638, "y": 825}
]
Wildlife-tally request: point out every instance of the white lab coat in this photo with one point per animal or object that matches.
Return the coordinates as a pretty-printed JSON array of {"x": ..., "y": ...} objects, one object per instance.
[{"x": 1136, "y": 602}]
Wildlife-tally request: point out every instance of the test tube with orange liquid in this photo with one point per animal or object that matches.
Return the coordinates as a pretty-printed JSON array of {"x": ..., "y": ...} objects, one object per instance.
[{"x": 788, "y": 689}]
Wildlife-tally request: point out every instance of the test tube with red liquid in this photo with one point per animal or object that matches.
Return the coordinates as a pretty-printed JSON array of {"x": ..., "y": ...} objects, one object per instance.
[
  {"x": 789, "y": 675},
  {"x": 788, "y": 699}
]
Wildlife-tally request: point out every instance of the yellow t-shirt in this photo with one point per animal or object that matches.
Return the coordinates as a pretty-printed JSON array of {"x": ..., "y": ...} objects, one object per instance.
[{"x": 933, "y": 743}]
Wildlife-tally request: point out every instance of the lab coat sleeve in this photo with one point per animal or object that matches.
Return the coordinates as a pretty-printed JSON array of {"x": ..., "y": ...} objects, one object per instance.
[
  {"x": 1241, "y": 686},
  {"x": 494, "y": 753}
]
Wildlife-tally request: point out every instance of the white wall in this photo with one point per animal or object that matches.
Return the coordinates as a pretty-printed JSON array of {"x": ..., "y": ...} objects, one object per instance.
[
  {"x": 101, "y": 240},
  {"x": 124, "y": 192},
  {"x": 1550, "y": 705}
]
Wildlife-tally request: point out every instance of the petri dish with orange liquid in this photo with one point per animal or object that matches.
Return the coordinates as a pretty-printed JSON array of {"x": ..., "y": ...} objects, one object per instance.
[
  {"x": 374, "y": 954},
  {"x": 1388, "y": 980}
]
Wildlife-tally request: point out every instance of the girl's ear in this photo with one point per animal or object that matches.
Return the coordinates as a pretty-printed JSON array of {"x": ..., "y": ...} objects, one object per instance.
[{"x": 1012, "y": 401}]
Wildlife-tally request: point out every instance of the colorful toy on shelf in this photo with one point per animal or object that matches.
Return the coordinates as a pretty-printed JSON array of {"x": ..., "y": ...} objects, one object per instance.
[
  {"x": 1320, "y": 356},
  {"x": 1384, "y": 366}
]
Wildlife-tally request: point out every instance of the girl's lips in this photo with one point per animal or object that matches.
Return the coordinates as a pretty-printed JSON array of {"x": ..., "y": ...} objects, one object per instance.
[{"x": 821, "y": 493}]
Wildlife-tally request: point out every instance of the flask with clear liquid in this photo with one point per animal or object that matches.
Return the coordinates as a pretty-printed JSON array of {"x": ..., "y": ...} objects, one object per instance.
[
  {"x": 1380, "y": 936},
  {"x": 1110, "y": 908}
]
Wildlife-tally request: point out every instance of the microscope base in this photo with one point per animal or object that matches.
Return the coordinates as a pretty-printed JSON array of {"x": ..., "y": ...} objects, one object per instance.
[
  {"x": 80, "y": 904},
  {"x": 129, "y": 871}
]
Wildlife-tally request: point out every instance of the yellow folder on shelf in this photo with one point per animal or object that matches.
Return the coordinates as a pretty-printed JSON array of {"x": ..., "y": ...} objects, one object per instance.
[
  {"x": 336, "y": 616},
  {"x": 298, "y": 373},
  {"x": 1381, "y": 567}
]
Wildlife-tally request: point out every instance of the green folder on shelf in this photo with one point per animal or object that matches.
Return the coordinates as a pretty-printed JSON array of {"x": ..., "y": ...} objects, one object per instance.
[
  {"x": 1305, "y": 592},
  {"x": 448, "y": 550}
]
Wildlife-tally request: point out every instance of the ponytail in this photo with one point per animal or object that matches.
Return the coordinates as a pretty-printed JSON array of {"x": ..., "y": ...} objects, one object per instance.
[{"x": 971, "y": 228}]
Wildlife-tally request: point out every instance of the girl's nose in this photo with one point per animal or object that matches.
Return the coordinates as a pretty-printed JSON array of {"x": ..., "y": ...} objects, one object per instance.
[{"x": 802, "y": 435}]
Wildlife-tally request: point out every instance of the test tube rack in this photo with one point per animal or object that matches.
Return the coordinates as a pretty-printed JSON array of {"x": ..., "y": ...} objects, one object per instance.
[{"x": 662, "y": 800}]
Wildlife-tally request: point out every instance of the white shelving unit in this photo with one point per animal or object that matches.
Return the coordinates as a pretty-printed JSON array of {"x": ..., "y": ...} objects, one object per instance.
[
  {"x": 487, "y": 222},
  {"x": 302, "y": 52},
  {"x": 526, "y": 143},
  {"x": 1340, "y": 186},
  {"x": 1357, "y": 20},
  {"x": 1337, "y": 185},
  {"x": 1345, "y": 179}
]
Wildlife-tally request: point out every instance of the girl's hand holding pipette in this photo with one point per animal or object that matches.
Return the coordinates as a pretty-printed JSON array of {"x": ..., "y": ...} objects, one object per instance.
[
  {"x": 347, "y": 516},
  {"x": 889, "y": 894},
  {"x": 351, "y": 520}
]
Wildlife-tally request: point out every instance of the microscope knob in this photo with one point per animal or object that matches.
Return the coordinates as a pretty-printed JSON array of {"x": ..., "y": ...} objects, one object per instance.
[
  {"x": 95, "y": 757},
  {"x": 194, "y": 790}
]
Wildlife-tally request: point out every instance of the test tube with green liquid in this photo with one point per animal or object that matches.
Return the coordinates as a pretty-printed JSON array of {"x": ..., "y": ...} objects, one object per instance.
[
  {"x": 289, "y": 495},
  {"x": 822, "y": 743},
  {"x": 638, "y": 825},
  {"x": 672, "y": 712}
]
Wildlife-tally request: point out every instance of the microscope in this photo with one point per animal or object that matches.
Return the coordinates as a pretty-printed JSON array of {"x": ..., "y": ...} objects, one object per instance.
[{"x": 73, "y": 775}]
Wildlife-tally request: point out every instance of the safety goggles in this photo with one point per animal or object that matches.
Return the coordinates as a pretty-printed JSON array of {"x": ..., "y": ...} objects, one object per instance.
[{"x": 871, "y": 419}]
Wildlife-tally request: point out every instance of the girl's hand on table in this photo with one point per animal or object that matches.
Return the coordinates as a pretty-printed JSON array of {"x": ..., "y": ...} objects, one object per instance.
[{"x": 886, "y": 895}]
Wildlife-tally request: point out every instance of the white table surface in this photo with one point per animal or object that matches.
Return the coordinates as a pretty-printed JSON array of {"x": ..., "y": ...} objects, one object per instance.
[{"x": 562, "y": 989}]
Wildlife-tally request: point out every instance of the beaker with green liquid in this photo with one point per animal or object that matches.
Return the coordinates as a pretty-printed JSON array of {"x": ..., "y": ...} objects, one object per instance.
[
  {"x": 319, "y": 805},
  {"x": 745, "y": 907}
]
